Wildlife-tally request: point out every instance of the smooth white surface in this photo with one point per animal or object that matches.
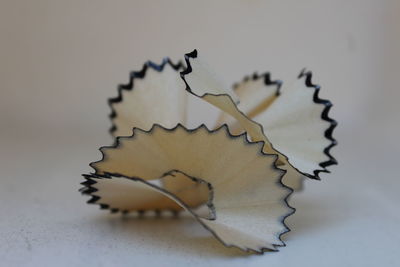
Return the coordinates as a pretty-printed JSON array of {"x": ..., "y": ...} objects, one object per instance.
[
  {"x": 349, "y": 219},
  {"x": 60, "y": 60}
]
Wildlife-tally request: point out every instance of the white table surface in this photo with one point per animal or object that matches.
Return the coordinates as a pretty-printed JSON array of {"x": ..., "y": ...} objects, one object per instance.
[{"x": 350, "y": 218}]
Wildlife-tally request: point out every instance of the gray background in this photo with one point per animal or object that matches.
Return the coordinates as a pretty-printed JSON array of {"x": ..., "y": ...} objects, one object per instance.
[{"x": 61, "y": 60}]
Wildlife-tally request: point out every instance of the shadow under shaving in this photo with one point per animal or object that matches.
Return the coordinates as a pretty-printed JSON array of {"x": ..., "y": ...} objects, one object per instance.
[
  {"x": 185, "y": 235},
  {"x": 312, "y": 215},
  {"x": 180, "y": 234}
]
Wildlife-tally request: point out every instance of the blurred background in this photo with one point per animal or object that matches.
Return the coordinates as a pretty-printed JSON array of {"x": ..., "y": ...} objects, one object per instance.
[{"x": 61, "y": 60}]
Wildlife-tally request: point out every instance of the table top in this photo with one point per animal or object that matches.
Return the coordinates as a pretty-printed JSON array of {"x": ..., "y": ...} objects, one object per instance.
[{"x": 350, "y": 218}]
